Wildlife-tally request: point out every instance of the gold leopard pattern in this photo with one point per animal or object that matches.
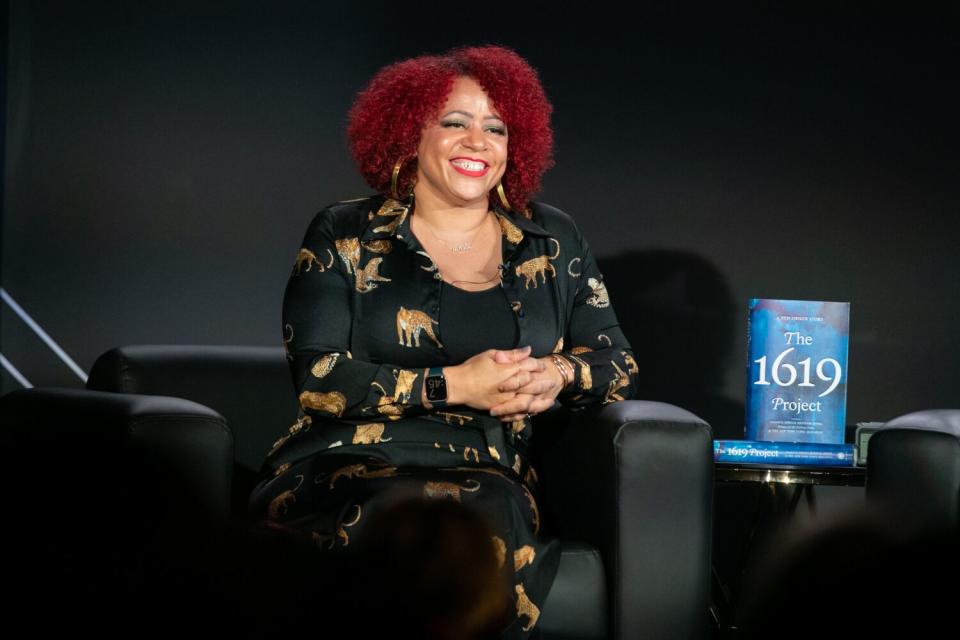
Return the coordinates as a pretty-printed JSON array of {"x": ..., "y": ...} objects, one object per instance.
[
  {"x": 342, "y": 531},
  {"x": 281, "y": 469},
  {"x": 451, "y": 418},
  {"x": 371, "y": 433},
  {"x": 357, "y": 471},
  {"x": 278, "y": 443},
  {"x": 468, "y": 450},
  {"x": 526, "y": 608},
  {"x": 349, "y": 471},
  {"x": 410, "y": 322},
  {"x": 307, "y": 258},
  {"x": 631, "y": 363},
  {"x": 303, "y": 423},
  {"x": 378, "y": 246},
  {"x": 324, "y": 365},
  {"x": 440, "y": 489},
  {"x": 579, "y": 350},
  {"x": 557, "y": 348},
  {"x": 490, "y": 470},
  {"x": 586, "y": 377},
  {"x": 621, "y": 381},
  {"x": 529, "y": 269},
  {"x": 516, "y": 464},
  {"x": 493, "y": 452},
  {"x": 510, "y": 231},
  {"x": 391, "y": 209},
  {"x": 385, "y": 404},
  {"x": 332, "y": 402},
  {"x": 531, "y": 477},
  {"x": 349, "y": 251},
  {"x": 599, "y": 299},
  {"x": 404, "y": 388},
  {"x": 523, "y": 556},
  {"x": 367, "y": 278},
  {"x": 279, "y": 506}
]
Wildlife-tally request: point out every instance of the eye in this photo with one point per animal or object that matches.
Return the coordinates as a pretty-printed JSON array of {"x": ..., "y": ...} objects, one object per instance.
[
  {"x": 498, "y": 130},
  {"x": 453, "y": 123}
]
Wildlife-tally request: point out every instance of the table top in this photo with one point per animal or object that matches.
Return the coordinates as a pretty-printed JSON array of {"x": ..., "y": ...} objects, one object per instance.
[{"x": 789, "y": 474}]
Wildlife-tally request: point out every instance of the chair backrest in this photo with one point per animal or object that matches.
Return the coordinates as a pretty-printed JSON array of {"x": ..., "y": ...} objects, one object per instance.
[
  {"x": 914, "y": 468},
  {"x": 249, "y": 386}
]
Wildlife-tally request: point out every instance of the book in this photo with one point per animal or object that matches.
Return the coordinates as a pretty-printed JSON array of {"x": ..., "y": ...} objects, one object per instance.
[
  {"x": 799, "y": 453},
  {"x": 797, "y": 371}
]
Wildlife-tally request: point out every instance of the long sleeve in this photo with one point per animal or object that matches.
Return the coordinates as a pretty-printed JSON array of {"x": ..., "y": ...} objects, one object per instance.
[
  {"x": 604, "y": 368},
  {"x": 317, "y": 323}
]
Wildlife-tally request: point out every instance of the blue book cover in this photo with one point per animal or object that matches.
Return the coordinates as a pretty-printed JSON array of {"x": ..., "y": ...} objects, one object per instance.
[
  {"x": 797, "y": 371},
  {"x": 797, "y": 453}
]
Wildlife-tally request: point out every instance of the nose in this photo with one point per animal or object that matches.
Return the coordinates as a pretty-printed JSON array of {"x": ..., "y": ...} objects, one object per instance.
[{"x": 474, "y": 138}]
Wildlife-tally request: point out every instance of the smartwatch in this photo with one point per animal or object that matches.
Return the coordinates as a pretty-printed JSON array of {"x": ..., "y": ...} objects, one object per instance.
[{"x": 436, "y": 385}]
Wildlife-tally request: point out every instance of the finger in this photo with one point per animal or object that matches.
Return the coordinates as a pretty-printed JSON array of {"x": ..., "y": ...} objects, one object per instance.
[
  {"x": 521, "y": 353},
  {"x": 532, "y": 364},
  {"x": 515, "y": 379},
  {"x": 541, "y": 404},
  {"x": 536, "y": 387},
  {"x": 518, "y": 404}
]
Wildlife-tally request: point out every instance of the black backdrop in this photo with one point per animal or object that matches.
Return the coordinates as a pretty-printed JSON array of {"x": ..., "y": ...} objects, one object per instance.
[{"x": 164, "y": 159}]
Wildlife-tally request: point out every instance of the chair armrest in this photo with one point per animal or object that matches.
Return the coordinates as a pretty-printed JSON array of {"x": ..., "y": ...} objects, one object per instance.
[
  {"x": 635, "y": 480},
  {"x": 169, "y": 449},
  {"x": 915, "y": 455}
]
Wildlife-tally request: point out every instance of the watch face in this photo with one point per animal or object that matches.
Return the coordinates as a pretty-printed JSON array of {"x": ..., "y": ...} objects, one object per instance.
[{"x": 436, "y": 388}]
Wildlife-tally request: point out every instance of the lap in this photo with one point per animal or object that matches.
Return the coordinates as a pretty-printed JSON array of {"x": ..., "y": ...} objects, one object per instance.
[{"x": 330, "y": 498}]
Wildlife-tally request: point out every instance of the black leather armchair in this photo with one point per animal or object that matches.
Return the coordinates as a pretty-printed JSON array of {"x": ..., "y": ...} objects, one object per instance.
[
  {"x": 627, "y": 486},
  {"x": 913, "y": 469}
]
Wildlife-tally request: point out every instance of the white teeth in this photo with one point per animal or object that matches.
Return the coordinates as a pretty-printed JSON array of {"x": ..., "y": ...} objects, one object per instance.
[{"x": 469, "y": 166}]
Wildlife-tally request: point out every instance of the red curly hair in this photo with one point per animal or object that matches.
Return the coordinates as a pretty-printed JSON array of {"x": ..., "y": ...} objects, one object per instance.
[{"x": 388, "y": 116}]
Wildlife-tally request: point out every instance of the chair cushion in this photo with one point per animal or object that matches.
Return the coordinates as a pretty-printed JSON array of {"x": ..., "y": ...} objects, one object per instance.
[{"x": 576, "y": 606}]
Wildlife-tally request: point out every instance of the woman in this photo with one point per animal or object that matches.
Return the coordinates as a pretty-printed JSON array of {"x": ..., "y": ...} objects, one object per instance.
[{"x": 404, "y": 314}]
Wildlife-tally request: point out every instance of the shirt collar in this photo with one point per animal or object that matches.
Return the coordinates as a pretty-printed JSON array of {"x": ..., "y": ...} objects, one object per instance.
[{"x": 388, "y": 218}]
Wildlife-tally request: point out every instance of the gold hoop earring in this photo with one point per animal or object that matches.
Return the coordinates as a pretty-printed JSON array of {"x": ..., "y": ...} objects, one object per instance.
[
  {"x": 503, "y": 196},
  {"x": 394, "y": 177}
]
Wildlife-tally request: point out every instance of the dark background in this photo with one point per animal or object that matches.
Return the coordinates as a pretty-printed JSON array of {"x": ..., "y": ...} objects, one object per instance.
[{"x": 164, "y": 159}]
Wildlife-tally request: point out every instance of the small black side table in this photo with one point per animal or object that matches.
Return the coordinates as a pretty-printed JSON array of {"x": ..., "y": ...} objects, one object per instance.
[
  {"x": 780, "y": 478},
  {"x": 786, "y": 486}
]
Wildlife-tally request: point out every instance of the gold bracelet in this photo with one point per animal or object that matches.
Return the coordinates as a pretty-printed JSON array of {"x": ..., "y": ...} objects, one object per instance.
[{"x": 563, "y": 365}]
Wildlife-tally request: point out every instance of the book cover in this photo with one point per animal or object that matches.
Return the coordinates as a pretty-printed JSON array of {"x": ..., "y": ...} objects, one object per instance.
[
  {"x": 797, "y": 371},
  {"x": 799, "y": 453}
]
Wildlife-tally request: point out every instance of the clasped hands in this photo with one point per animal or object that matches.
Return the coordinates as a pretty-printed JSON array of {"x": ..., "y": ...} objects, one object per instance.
[{"x": 516, "y": 383}]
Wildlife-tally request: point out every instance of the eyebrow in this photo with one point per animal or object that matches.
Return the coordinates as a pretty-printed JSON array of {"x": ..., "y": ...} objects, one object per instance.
[{"x": 470, "y": 115}]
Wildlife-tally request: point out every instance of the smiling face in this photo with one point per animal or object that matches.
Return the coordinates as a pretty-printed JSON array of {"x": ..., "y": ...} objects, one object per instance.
[{"x": 462, "y": 153}]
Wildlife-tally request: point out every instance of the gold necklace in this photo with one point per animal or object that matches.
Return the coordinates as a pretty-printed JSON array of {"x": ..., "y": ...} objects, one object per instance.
[
  {"x": 463, "y": 246},
  {"x": 467, "y": 246},
  {"x": 498, "y": 276}
]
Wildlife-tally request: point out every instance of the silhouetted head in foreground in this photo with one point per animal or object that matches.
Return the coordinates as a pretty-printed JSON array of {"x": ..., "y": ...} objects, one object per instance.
[
  {"x": 858, "y": 574},
  {"x": 428, "y": 569}
]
